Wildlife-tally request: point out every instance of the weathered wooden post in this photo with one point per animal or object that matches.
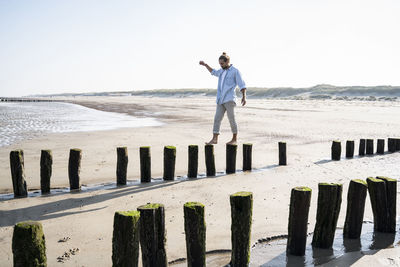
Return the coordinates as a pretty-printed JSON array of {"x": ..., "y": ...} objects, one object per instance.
[
  {"x": 241, "y": 213},
  {"x": 18, "y": 173},
  {"x": 391, "y": 196},
  {"x": 361, "y": 149},
  {"x": 125, "y": 241},
  {"x": 380, "y": 146},
  {"x": 370, "y": 147},
  {"x": 329, "y": 200},
  {"x": 298, "y": 219},
  {"x": 349, "y": 148},
  {"x": 282, "y": 153},
  {"x": 231, "y": 151},
  {"x": 397, "y": 143},
  {"x": 169, "y": 162},
  {"x": 193, "y": 161},
  {"x": 391, "y": 145},
  {"x": 122, "y": 165},
  {"x": 74, "y": 168},
  {"x": 46, "y": 162},
  {"x": 195, "y": 233},
  {"x": 355, "y": 209},
  {"x": 247, "y": 157},
  {"x": 152, "y": 235},
  {"x": 336, "y": 150},
  {"x": 145, "y": 164},
  {"x": 210, "y": 159},
  {"x": 28, "y": 245}
]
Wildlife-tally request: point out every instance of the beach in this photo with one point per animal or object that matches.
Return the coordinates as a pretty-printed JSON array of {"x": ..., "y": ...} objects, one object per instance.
[{"x": 307, "y": 126}]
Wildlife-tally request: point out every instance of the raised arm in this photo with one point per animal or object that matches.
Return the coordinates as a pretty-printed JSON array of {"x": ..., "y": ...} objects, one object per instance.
[{"x": 206, "y": 65}]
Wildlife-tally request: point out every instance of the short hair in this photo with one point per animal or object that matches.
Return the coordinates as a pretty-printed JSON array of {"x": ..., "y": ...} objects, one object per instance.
[{"x": 224, "y": 57}]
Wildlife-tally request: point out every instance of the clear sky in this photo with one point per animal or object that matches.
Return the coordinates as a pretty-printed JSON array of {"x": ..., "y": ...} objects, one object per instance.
[{"x": 103, "y": 45}]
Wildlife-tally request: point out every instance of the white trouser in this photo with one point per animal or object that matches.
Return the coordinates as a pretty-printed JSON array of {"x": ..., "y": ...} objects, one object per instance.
[{"x": 219, "y": 114}]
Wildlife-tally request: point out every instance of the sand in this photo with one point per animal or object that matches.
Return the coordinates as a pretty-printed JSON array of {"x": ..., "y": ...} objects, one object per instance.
[{"x": 86, "y": 218}]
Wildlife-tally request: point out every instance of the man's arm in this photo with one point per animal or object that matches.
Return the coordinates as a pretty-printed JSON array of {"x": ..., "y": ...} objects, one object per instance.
[
  {"x": 206, "y": 65},
  {"x": 243, "y": 90}
]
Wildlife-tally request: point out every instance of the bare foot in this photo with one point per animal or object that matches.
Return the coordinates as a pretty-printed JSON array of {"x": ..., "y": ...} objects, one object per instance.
[
  {"x": 232, "y": 142},
  {"x": 212, "y": 142}
]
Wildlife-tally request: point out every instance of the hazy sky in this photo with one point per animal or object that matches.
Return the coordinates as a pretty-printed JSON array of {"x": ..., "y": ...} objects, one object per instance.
[{"x": 88, "y": 46}]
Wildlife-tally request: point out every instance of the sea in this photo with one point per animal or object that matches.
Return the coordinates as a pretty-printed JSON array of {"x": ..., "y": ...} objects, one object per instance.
[{"x": 26, "y": 120}]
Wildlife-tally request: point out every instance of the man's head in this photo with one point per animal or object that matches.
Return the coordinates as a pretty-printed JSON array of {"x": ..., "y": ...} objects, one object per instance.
[{"x": 224, "y": 61}]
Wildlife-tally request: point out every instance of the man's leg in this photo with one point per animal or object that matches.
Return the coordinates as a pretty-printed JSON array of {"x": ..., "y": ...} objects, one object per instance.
[
  {"x": 230, "y": 111},
  {"x": 219, "y": 114}
]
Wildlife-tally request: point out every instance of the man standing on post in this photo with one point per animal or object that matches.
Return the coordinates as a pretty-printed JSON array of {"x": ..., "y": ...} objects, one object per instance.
[{"x": 228, "y": 79}]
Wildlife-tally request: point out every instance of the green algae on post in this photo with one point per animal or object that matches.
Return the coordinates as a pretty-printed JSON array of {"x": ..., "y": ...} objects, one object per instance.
[
  {"x": 241, "y": 213},
  {"x": 169, "y": 162},
  {"x": 125, "y": 241},
  {"x": 74, "y": 168},
  {"x": 355, "y": 209},
  {"x": 28, "y": 245},
  {"x": 122, "y": 165},
  {"x": 193, "y": 160},
  {"x": 145, "y": 164},
  {"x": 18, "y": 173},
  {"x": 210, "y": 160},
  {"x": 298, "y": 219},
  {"x": 195, "y": 233}
]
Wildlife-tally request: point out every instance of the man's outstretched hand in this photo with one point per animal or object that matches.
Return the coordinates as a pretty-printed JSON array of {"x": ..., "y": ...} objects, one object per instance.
[
  {"x": 243, "y": 101},
  {"x": 202, "y": 63}
]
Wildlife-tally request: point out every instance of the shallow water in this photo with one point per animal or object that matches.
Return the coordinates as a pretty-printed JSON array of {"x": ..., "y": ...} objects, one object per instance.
[{"x": 27, "y": 120}]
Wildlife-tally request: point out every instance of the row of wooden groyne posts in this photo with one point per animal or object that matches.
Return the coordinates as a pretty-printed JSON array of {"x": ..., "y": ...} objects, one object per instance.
[
  {"x": 24, "y": 99},
  {"x": 75, "y": 155},
  {"x": 145, "y": 228}
]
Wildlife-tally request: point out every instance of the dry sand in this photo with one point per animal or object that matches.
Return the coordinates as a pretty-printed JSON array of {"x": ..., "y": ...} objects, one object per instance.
[{"x": 86, "y": 218}]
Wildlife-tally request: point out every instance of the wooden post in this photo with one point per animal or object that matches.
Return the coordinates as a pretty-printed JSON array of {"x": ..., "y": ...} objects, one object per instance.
[
  {"x": 397, "y": 143},
  {"x": 298, "y": 219},
  {"x": 231, "y": 158},
  {"x": 46, "y": 161},
  {"x": 282, "y": 153},
  {"x": 169, "y": 162},
  {"x": 241, "y": 212},
  {"x": 28, "y": 244},
  {"x": 210, "y": 160},
  {"x": 391, "y": 199},
  {"x": 329, "y": 200},
  {"x": 145, "y": 164},
  {"x": 18, "y": 173},
  {"x": 152, "y": 235},
  {"x": 247, "y": 157},
  {"x": 349, "y": 148},
  {"x": 336, "y": 150},
  {"x": 193, "y": 160},
  {"x": 125, "y": 241},
  {"x": 361, "y": 149},
  {"x": 392, "y": 145},
  {"x": 195, "y": 232},
  {"x": 122, "y": 165},
  {"x": 380, "y": 146},
  {"x": 74, "y": 168},
  {"x": 355, "y": 209},
  {"x": 370, "y": 147}
]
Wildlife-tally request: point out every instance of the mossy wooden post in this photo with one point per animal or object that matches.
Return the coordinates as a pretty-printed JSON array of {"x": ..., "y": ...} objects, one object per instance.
[
  {"x": 125, "y": 241},
  {"x": 169, "y": 162},
  {"x": 231, "y": 151},
  {"x": 210, "y": 159},
  {"x": 74, "y": 168},
  {"x": 195, "y": 233},
  {"x": 18, "y": 173},
  {"x": 355, "y": 209},
  {"x": 28, "y": 245},
  {"x": 361, "y": 149},
  {"x": 282, "y": 153},
  {"x": 370, "y": 147},
  {"x": 247, "y": 157},
  {"x": 152, "y": 235},
  {"x": 380, "y": 149},
  {"x": 122, "y": 165},
  {"x": 241, "y": 213},
  {"x": 391, "y": 198},
  {"x": 329, "y": 200},
  {"x": 349, "y": 148},
  {"x": 397, "y": 143},
  {"x": 46, "y": 162},
  {"x": 391, "y": 145},
  {"x": 336, "y": 150},
  {"x": 193, "y": 161},
  {"x": 298, "y": 219},
  {"x": 145, "y": 164}
]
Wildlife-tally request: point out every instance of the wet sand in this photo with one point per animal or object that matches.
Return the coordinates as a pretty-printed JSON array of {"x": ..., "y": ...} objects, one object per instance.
[{"x": 308, "y": 127}]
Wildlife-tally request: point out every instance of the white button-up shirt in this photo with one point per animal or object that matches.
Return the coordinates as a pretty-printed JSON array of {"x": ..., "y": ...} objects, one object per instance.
[{"x": 227, "y": 84}]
